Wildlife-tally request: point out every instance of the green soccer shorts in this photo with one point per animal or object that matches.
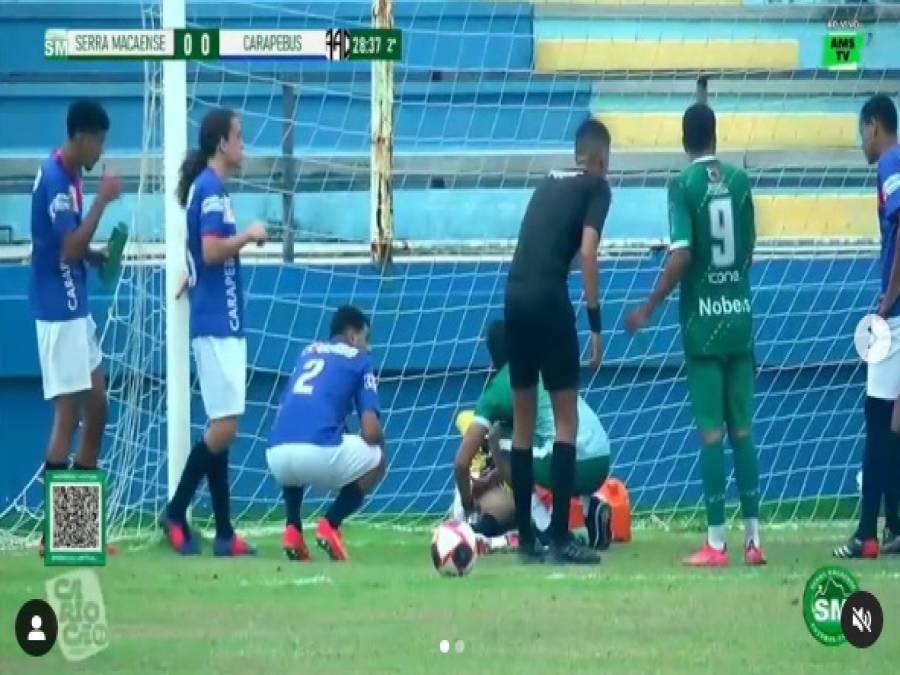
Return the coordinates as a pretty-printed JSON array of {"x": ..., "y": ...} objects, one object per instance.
[{"x": 721, "y": 390}]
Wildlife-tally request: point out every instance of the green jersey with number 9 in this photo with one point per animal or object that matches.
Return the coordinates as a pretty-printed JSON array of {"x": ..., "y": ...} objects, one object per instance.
[{"x": 711, "y": 213}]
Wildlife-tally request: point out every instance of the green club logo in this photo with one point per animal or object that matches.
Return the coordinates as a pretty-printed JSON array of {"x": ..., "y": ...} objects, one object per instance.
[{"x": 823, "y": 599}]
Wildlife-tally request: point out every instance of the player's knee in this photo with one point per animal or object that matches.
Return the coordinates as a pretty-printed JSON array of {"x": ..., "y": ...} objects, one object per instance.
[
  {"x": 221, "y": 433},
  {"x": 738, "y": 433},
  {"x": 711, "y": 437}
]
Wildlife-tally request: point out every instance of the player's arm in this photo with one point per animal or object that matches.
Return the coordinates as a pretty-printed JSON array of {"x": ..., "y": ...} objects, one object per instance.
[
  {"x": 462, "y": 463},
  {"x": 590, "y": 267},
  {"x": 218, "y": 246},
  {"x": 76, "y": 239},
  {"x": 367, "y": 407},
  {"x": 891, "y": 188},
  {"x": 677, "y": 262}
]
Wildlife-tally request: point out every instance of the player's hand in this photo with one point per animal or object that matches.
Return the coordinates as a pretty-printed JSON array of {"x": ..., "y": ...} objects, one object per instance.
[
  {"x": 95, "y": 258},
  {"x": 256, "y": 232},
  {"x": 110, "y": 188},
  {"x": 636, "y": 320},
  {"x": 596, "y": 349}
]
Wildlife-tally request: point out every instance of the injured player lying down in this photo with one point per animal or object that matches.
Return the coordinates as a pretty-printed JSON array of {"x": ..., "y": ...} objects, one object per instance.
[{"x": 484, "y": 497}]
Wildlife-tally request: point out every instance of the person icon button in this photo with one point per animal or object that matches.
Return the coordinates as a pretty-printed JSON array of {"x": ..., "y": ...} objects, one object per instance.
[
  {"x": 36, "y": 627},
  {"x": 36, "y": 634}
]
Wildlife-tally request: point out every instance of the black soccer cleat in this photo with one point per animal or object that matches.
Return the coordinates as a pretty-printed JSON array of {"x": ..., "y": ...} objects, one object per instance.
[
  {"x": 599, "y": 524},
  {"x": 890, "y": 541},
  {"x": 531, "y": 554},
  {"x": 572, "y": 553}
]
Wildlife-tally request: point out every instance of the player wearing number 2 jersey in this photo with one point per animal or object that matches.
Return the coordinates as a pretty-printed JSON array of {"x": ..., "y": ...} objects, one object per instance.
[
  {"x": 713, "y": 234},
  {"x": 308, "y": 443}
]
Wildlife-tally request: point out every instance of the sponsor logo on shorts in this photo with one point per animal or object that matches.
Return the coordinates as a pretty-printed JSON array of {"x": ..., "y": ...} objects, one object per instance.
[
  {"x": 69, "y": 284},
  {"x": 723, "y": 306},
  {"x": 231, "y": 299}
]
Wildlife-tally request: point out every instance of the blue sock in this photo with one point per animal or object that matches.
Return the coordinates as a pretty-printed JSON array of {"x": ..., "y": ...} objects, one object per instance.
[
  {"x": 220, "y": 493},
  {"x": 293, "y": 499},
  {"x": 194, "y": 471},
  {"x": 348, "y": 500}
]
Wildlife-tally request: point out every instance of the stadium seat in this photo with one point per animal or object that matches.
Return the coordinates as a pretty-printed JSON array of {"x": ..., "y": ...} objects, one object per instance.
[{"x": 815, "y": 216}]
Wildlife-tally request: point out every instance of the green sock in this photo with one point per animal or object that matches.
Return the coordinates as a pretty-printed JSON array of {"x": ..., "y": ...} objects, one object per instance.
[
  {"x": 712, "y": 468},
  {"x": 746, "y": 474}
]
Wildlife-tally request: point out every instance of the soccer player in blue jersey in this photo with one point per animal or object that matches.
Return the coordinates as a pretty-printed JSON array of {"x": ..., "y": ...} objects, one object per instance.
[
  {"x": 308, "y": 444},
  {"x": 217, "y": 325},
  {"x": 61, "y": 235},
  {"x": 881, "y": 456}
]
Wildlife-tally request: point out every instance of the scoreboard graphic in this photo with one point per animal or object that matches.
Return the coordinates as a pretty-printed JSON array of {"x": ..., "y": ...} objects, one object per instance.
[{"x": 199, "y": 44}]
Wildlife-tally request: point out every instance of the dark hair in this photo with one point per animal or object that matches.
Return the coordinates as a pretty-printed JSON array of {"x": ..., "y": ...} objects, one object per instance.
[
  {"x": 86, "y": 116},
  {"x": 215, "y": 127},
  {"x": 495, "y": 336},
  {"x": 881, "y": 108},
  {"x": 346, "y": 317},
  {"x": 698, "y": 128},
  {"x": 592, "y": 137}
]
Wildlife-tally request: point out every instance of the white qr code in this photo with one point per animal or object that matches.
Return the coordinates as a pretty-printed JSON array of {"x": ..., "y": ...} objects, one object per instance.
[{"x": 76, "y": 517}]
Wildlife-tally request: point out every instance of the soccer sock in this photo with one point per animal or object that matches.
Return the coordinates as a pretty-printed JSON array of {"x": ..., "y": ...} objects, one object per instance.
[
  {"x": 892, "y": 485},
  {"x": 293, "y": 499},
  {"x": 488, "y": 526},
  {"x": 78, "y": 466},
  {"x": 348, "y": 500},
  {"x": 220, "y": 493},
  {"x": 875, "y": 464},
  {"x": 194, "y": 470},
  {"x": 522, "y": 474},
  {"x": 712, "y": 467},
  {"x": 746, "y": 473},
  {"x": 562, "y": 478}
]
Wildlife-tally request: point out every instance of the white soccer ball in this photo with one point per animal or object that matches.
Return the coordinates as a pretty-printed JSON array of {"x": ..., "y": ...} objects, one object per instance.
[{"x": 453, "y": 549}]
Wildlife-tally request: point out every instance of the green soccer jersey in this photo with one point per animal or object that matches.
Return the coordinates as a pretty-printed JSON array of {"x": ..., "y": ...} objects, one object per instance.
[
  {"x": 711, "y": 213},
  {"x": 496, "y": 405}
]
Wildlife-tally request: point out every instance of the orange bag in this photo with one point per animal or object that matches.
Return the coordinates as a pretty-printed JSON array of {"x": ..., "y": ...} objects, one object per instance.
[{"x": 613, "y": 492}]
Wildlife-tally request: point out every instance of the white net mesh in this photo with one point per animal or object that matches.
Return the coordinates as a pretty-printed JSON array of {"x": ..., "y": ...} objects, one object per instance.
[{"x": 486, "y": 100}]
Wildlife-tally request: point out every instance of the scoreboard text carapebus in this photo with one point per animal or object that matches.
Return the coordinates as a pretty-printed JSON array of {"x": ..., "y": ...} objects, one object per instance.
[{"x": 189, "y": 44}]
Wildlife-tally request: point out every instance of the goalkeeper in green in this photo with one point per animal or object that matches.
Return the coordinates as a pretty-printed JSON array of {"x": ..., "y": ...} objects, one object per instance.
[{"x": 713, "y": 234}]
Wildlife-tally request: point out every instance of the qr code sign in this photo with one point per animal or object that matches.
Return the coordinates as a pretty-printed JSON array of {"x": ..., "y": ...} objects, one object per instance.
[{"x": 76, "y": 517}]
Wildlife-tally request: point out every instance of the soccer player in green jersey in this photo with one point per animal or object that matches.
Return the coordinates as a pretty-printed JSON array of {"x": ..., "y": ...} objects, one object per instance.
[{"x": 713, "y": 234}]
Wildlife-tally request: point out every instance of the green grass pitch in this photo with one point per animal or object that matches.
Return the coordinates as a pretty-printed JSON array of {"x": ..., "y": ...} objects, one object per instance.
[{"x": 387, "y": 612}]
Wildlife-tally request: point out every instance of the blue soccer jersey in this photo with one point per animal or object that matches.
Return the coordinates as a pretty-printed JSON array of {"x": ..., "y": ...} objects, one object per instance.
[
  {"x": 217, "y": 299},
  {"x": 58, "y": 290},
  {"x": 889, "y": 214},
  {"x": 330, "y": 379}
]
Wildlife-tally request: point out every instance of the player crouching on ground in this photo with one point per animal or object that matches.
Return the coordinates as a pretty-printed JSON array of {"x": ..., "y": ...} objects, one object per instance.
[
  {"x": 493, "y": 413},
  {"x": 308, "y": 445}
]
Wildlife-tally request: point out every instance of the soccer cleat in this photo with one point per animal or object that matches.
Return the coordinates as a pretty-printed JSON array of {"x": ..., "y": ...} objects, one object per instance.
[
  {"x": 573, "y": 553},
  {"x": 331, "y": 541},
  {"x": 855, "y": 548},
  {"x": 890, "y": 541},
  {"x": 179, "y": 536},
  {"x": 708, "y": 557},
  {"x": 753, "y": 555},
  {"x": 482, "y": 544},
  {"x": 599, "y": 524},
  {"x": 232, "y": 548},
  {"x": 294, "y": 545},
  {"x": 531, "y": 554}
]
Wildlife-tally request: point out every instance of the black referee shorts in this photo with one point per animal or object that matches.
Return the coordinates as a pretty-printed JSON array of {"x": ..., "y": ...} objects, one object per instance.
[{"x": 542, "y": 339}]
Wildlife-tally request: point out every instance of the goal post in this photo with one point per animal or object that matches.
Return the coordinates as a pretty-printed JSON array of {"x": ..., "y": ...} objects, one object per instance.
[
  {"x": 382, "y": 151},
  {"x": 177, "y": 318}
]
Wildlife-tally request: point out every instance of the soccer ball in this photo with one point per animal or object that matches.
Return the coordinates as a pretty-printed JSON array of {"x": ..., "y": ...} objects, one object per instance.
[{"x": 453, "y": 549}]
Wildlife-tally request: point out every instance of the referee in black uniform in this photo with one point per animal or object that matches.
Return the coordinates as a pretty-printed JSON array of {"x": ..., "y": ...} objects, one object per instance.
[{"x": 565, "y": 216}]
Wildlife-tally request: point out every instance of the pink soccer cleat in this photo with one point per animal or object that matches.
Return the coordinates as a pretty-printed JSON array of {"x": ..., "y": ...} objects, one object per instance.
[
  {"x": 708, "y": 557},
  {"x": 294, "y": 545},
  {"x": 753, "y": 555},
  {"x": 331, "y": 541}
]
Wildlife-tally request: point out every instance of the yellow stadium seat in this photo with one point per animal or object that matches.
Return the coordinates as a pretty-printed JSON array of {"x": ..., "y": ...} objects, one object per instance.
[
  {"x": 815, "y": 216},
  {"x": 736, "y": 131},
  {"x": 603, "y": 54}
]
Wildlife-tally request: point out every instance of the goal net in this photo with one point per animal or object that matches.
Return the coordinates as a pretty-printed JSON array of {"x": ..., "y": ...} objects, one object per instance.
[{"x": 486, "y": 100}]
